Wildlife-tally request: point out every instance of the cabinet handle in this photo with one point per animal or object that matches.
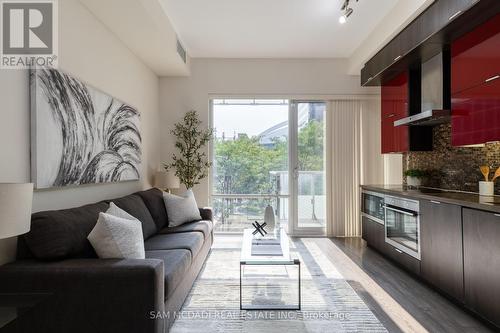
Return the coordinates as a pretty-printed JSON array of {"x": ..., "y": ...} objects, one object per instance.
[
  {"x": 391, "y": 115},
  {"x": 497, "y": 215},
  {"x": 454, "y": 15},
  {"x": 435, "y": 202},
  {"x": 398, "y": 251},
  {"x": 397, "y": 58},
  {"x": 491, "y": 78}
]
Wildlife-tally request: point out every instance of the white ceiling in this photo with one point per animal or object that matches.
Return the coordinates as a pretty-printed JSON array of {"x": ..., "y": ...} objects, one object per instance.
[{"x": 273, "y": 28}]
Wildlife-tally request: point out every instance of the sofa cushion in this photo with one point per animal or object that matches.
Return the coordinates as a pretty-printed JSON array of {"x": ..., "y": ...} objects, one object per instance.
[
  {"x": 117, "y": 234},
  {"x": 63, "y": 233},
  {"x": 201, "y": 226},
  {"x": 176, "y": 265},
  {"x": 192, "y": 241},
  {"x": 134, "y": 205},
  {"x": 153, "y": 198},
  {"x": 181, "y": 209}
]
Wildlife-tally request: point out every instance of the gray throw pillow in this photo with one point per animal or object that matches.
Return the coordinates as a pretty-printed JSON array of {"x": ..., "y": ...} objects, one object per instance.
[
  {"x": 117, "y": 234},
  {"x": 181, "y": 209}
]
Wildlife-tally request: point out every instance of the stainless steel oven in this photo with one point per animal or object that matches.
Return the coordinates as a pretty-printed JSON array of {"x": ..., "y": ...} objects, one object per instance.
[
  {"x": 402, "y": 225},
  {"x": 372, "y": 206}
]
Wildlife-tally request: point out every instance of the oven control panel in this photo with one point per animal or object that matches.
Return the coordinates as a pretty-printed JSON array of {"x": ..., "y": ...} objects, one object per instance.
[{"x": 407, "y": 204}]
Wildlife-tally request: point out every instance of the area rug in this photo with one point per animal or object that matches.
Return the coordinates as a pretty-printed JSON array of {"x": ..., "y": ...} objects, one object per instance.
[{"x": 329, "y": 304}]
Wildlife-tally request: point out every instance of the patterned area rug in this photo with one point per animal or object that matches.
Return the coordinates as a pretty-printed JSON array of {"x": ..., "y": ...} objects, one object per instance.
[{"x": 329, "y": 304}]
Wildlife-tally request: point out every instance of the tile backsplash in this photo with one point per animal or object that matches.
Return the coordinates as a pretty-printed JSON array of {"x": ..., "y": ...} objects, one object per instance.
[{"x": 455, "y": 168}]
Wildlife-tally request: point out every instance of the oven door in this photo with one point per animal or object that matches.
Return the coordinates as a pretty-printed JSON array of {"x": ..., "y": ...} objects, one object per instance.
[{"x": 402, "y": 229}]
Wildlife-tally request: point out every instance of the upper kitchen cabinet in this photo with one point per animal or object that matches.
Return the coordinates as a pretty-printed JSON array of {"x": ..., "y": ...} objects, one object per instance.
[
  {"x": 426, "y": 36},
  {"x": 475, "y": 85},
  {"x": 400, "y": 98},
  {"x": 394, "y": 107},
  {"x": 476, "y": 56}
]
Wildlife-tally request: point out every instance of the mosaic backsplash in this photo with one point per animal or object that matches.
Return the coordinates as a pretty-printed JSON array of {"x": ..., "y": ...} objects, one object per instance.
[{"x": 455, "y": 168}]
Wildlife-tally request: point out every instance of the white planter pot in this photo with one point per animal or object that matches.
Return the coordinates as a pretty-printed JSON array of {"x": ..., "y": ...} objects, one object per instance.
[
  {"x": 413, "y": 181},
  {"x": 486, "y": 188}
]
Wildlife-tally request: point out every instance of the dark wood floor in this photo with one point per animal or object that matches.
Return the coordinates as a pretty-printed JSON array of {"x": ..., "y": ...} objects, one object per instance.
[{"x": 400, "y": 301}]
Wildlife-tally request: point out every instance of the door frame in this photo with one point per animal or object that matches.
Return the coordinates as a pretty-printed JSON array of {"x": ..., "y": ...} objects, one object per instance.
[{"x": 293, "y": 228}]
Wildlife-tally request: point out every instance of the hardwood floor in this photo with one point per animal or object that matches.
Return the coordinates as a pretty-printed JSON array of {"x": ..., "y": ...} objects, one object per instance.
[{"x": 400, "y": 301}]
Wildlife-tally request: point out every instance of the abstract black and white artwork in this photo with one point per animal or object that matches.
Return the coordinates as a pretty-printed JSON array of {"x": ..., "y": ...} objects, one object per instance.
[{"x": 80, "y": 135}]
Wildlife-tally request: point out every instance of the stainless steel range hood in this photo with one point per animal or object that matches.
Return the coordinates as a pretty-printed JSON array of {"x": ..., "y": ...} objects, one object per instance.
[
  {"x": 435, "y": 94},
  {"x": 426, "y": 118}
]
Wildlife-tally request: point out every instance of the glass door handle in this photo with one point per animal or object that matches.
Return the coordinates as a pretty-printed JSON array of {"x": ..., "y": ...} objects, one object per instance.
[{"x": 400, "y": 211}]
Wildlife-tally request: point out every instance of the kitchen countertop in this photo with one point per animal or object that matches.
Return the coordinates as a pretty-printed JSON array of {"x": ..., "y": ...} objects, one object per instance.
[{"x": 465, "y": 199}]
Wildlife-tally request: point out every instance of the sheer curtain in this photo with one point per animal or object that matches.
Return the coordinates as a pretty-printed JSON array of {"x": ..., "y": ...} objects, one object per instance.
[{"x": 355, "y": 159}]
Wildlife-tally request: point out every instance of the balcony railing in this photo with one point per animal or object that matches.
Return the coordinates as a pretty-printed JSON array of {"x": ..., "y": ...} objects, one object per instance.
[{"x": 235, "y": 212}]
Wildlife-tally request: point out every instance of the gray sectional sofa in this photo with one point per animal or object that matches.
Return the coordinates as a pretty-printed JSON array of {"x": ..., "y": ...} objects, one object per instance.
[{"x": 88, "y": 294}]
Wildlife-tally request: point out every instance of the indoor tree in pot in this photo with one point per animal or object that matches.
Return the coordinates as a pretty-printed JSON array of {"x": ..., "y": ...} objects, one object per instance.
[
  {"x": 414, "y": 177},
  {"x": 191, "y": 164}
]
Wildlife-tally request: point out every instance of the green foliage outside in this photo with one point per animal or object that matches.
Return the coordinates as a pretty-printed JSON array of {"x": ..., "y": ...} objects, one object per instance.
[{"x": 243, "y": 166}]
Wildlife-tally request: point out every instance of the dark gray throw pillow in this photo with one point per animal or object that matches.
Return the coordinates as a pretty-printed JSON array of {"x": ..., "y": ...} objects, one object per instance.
[{"x": 135, "y": 206}]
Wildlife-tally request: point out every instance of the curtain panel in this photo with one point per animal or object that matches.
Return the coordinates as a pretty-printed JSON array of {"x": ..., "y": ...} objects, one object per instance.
[{"x": 354, "y": 144}]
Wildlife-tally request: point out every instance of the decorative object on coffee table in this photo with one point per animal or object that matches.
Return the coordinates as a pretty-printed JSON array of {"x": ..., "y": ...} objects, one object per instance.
[
  {"x": 259, "y": 228},
  {"x": 269, "y": 218},
  {"x": 15, "y": 209},
  {"x": 191, "y": 163},
  {"x": 166, "y": 181},
  {"x": 80, "y": 135}
]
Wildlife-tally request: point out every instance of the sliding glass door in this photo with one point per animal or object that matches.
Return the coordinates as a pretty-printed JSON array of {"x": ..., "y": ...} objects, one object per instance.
[
  {"x": 268, "y": 155},
  {"x": 307, "y": 159},
  {"x": 250, "y": 162}
]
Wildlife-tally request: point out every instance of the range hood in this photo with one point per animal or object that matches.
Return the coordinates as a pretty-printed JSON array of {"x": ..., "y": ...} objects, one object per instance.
[
  {"x": 426, "y": 118},
  {"x": 435, "y": 90}
]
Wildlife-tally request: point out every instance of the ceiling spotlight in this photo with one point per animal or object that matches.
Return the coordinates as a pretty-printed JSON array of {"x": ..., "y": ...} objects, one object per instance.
[
  {"x": 347, "y": 12},
  {"x": 343, "y": 18}
]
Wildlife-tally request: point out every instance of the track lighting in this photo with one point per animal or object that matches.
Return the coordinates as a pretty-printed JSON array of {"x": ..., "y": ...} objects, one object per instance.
[{"x": 347, "y": 12}]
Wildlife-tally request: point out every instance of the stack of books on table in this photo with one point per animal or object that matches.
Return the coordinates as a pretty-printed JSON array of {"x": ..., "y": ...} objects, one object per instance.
[{"x": 266, "y": 247}]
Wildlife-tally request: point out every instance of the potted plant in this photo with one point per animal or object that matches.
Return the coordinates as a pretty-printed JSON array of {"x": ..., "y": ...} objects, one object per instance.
[
  {"x": 414, "y": 177},
  {"x": 191, "y": 163}
]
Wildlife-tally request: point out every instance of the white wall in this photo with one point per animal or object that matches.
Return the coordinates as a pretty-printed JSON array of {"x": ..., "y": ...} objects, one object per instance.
[
  {"x": 93, "y": 54},
  {"x": 287, "y": 78}
]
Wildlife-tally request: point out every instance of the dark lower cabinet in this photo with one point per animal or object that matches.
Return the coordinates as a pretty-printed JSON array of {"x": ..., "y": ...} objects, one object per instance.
[
  {"x": 373, "y": 233},
  {"x": 405, "y": 260},
  {"x": 441, "y": 247},
  {"x": 482, "y": 263}
]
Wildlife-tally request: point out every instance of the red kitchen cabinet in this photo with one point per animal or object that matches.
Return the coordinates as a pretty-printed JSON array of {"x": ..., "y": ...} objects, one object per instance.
[
  {"x": 476, "y": 115},
  {"x": 475, "y": 85},
  {"x": 394, "y": 107}
]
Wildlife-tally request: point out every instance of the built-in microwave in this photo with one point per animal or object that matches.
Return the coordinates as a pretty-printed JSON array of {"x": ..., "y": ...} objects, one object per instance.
[{"x": 372, "y": 206}]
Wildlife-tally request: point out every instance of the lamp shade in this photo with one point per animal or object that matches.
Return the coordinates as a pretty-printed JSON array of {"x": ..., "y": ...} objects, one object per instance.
[
  {"x": 165, "y": 179},
  {"x": 15, "y": 209}
]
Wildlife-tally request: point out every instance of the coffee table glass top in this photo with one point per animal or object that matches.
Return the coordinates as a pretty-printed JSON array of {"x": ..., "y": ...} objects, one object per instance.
[{"x": 249, "y": 259}]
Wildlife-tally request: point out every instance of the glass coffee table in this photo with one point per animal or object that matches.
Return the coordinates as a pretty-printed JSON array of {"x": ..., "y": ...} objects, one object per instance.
[{"x": 269, "y": 277}]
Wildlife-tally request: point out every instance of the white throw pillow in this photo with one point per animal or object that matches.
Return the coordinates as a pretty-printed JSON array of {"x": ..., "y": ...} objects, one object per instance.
[
  {"x": 181, "y": 209},
  {"x": 117, "y": 234}
]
